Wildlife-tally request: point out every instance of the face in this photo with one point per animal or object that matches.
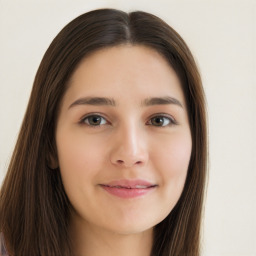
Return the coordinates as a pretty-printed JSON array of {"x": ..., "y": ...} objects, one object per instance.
[{"x": 123, "y": 140}]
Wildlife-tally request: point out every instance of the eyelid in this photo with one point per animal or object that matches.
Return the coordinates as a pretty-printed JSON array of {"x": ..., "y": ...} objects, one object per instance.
[
  {"x": 170, "y": 117},
  {"x": 81, "y": 120}
]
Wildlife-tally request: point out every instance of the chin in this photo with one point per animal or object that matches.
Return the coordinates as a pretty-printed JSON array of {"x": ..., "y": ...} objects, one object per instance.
[{"x": 135, "y": 225}]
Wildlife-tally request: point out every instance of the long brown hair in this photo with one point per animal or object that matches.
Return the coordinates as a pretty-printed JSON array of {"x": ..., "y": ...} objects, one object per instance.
[{"x": 34, "y": 208}]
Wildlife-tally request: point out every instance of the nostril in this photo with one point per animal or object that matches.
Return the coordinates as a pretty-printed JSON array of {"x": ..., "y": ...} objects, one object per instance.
[{"x": 121, "y": 162}]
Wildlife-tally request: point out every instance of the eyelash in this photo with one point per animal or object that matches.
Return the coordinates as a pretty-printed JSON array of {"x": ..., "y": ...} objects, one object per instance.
[
  {"x": 171, "y": 121},
  {"x": 83, "y": 119}
]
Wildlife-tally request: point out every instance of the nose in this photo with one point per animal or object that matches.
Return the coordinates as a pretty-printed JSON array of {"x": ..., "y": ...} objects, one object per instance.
[{"x": 129, "y": 148}]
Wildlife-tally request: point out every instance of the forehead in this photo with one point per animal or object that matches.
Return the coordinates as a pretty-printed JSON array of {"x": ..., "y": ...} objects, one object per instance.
[{"x": 125, "y": 70}]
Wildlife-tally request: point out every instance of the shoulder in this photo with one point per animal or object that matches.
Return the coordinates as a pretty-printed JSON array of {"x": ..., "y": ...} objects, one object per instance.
[{"x": 3, "y": 251}]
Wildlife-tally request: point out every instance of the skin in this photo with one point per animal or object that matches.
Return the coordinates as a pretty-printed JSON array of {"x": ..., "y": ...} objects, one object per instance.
[{"x": 129, "y": 142}]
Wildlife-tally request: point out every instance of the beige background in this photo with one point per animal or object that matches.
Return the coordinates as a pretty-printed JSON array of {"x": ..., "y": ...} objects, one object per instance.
[{"x": 222, "y": 36}]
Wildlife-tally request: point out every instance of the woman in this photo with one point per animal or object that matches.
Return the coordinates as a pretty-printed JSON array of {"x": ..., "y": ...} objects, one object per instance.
[{"x": 111, "y": 156}]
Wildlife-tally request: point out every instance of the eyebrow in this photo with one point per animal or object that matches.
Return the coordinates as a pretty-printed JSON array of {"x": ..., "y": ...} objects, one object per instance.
[
  {"x": 95, "y": 101},
  {"x": 102, "y": 101},
  {"x": 161, "y": 101}
]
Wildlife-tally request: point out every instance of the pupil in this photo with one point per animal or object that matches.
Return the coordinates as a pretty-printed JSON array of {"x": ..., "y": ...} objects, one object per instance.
[
  {"x": 95, "y": 120},
  {"x": 158, "y": 121}
]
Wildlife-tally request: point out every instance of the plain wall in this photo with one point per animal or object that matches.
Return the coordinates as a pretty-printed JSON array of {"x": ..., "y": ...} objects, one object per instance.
[{"x": 222, "y": 36}]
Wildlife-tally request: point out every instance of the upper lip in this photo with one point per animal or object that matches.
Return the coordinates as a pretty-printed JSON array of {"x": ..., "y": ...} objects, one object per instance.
[{"x": 130, "y": 184}]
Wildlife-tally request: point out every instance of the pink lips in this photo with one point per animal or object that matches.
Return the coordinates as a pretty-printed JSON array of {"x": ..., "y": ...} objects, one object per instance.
[{"x": 128, "y": 188}]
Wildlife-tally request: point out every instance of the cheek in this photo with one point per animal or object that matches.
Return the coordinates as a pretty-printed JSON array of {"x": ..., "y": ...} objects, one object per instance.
[
  {"x": 172, "y": 160},
  {"x": 78, "y": 157}
]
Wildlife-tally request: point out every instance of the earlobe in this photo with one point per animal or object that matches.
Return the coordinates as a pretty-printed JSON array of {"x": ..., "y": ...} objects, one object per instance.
[
  {"x": 52, "y": 161},
  {"x": 51, "y": 155}
]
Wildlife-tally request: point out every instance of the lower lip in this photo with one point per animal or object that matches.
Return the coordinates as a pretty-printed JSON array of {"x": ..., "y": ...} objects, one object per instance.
[{"x": 127, "y": 192}]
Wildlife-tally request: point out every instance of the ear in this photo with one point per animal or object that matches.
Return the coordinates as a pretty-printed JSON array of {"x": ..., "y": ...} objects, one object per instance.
[
  {"x": 51, "y": 157},
  {"x": 52, "y": 161},
  {"x": 51, "y": 152}
]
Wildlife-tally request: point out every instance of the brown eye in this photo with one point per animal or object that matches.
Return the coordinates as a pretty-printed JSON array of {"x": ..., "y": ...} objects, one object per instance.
[
  {"x": 94, "y": 120},
  {"x": 161, "y": 121}
]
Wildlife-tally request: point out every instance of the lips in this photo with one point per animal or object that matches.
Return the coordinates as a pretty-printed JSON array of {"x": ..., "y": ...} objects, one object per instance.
[{"x": 128, "y": 188}]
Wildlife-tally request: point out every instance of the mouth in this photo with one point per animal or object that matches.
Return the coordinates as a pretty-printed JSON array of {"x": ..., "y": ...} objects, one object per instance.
[{"x": 128, "y": 188}]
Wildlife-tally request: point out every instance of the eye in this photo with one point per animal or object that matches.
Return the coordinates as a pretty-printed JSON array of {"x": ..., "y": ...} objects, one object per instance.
[
  {"x": 93, "y": 120},
  {"x": 161, "y": 121}
]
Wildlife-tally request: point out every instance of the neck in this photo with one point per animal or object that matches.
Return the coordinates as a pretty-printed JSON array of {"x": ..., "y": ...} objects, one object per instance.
[{"x": 90, "y": 240}]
